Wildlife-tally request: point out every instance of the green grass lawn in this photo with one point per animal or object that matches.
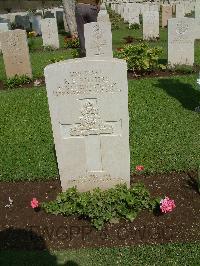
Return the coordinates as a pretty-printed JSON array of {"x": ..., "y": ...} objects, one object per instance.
[
  {"x": 152, "y": 255},
  {"x": 164, "y": 129}
]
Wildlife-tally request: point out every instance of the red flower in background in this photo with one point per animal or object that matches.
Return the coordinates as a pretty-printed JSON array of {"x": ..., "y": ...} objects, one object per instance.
[
  {"x": 34, "y": 203},
  {"x": 139, "y": 168}
]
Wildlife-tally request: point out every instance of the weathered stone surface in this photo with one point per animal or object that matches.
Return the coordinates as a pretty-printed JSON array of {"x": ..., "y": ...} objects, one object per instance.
[
  {"x": 16, "y": 53},
  {"x": 50, "y": 32},
  {"x": 166, "y": 14},
  {"x": 98, "y": 39},
  {"x": 181, "y": 36},
  {"x": 180, "y": 11},
  {"x": 88, "y": 101},
  {"x": 3, "y": 28},
  {"x": 150, "y": 25}
]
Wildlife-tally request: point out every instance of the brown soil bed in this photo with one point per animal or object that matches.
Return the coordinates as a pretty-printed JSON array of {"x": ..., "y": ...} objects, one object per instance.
[
  {"x": 23, "y": 228},
  {"x": 157, "y": 74}
]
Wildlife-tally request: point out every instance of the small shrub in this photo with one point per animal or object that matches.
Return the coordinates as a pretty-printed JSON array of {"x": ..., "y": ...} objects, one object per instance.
[
  {"x": 140, "y": 57},
  {"x": 71, "y": 42},
  {"x": 75, "y": 53},
  {"x": 103, "y": 206},
  {"x": 17, "y": 81}
]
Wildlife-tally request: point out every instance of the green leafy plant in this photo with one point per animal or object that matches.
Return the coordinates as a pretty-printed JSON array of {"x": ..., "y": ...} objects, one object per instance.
[
  {"x": 103, "y": 206},
  {"x": 56, "y": 59},
  {"x": 49, "y": 48},
  {"x": 17, "y": 81},
  {"x": 71, "y": 42},
  {"x": 75, "y": 53},
  {"x": 134, "y": 26},
  {"x": 140, "y": 57}
]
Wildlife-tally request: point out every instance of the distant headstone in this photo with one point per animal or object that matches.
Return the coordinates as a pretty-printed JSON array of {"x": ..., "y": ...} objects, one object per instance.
[
  {"x": 3, "y": 28},
  {"x": 36, "y": 24},
  {"x": 50, "y": 32},
  {"x": 16, "y": 53},
  {"x": 150, "y": 25},
  {"x": 98, "y": 39},
  {"x": 180, "y": 11},
  {"x": 166, "y": 14},
  {"x": 134, "y": 13},
  {"x": 103, "y": 15},
  {"x": 181, "y": 36},
  {"x": 22, "y": 22},
  {"x": 49, "y": 14},
  {"x": 88, "y": 102},
  {"x": 197, "y": 9}
]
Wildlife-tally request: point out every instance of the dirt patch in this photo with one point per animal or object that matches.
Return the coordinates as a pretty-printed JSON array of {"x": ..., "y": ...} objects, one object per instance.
[{"x": 23, "y": 228}]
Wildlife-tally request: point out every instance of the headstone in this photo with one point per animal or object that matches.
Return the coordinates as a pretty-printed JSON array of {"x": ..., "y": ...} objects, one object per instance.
[
  {"x": 181, "y": 36},
  {"x": 36, "y": 24},
  {"x": 88, "y": 102},
  {"x": 134, "y": 13},
  {"x": 180, "y": 11},
  {"x": 49, "y": 14},
  {"x": 197, "y": 9},
  {"x": 50, "y": 32},
  {"x": 16, "y": 53},
  {"x": 98, "y": 39},
  {"x": 22, "y": 22},
  {"x": 3, "y": 28},
  {"x": 166, "y": 14},
  {"x": 103, "y": 15},
  {"x": 150, "y": 25}
]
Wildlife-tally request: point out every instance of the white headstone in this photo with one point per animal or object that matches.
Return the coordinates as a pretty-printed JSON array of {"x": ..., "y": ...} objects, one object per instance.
[
  {"x": 3, "y": 28},
  {"x": 181, "y": 36},
  {"x": 50, "y": 32},
  {"x": 16, "y": 53},
  {"x": 98, "y": 39},
  {"x": 150, "y": 25},
  {"x": 180, "y": 11},
  {"x": 88, "y": 101}
]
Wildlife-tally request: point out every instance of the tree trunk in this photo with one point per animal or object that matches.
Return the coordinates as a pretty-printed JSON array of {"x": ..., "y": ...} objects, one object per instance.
[{"x": 69, "y": 10}]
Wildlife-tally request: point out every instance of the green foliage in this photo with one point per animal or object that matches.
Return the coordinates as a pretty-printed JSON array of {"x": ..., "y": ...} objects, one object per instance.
[
  {"x": 103, "y": 206},
  {"x": 140, "y": 57},
  {"x": 71, "y": 42},
  {"x": 183, "y": 69},
  {"x": 49, "y": 48},
  {"x": 134, "y": 26},
  {"x": 57, "y": 59},
  {"x": 75, "y": 53},
  {"x": 31, "y": 43},
  {"x": 16, "y": 81},
  {"x": 115, "y": 19}
]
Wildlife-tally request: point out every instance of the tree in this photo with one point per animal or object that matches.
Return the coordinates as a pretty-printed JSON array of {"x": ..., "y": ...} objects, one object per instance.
[{"x": 69, "y": 10}]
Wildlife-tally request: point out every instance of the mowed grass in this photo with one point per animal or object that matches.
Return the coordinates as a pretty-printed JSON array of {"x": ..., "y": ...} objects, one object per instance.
[
  {"x": 171, "y": 254},
  {"x": 164, "y": 129}
]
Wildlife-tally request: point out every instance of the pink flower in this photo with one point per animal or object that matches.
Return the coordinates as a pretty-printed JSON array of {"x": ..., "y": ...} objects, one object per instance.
[
  {"x": 34, "y": 203},
  {"x": 139, "y": 168},
  {"x": 167, "y": 205}
]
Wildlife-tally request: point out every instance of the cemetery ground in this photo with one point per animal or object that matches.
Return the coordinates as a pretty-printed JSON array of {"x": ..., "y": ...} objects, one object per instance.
[{"x": 164, "y": 138}]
